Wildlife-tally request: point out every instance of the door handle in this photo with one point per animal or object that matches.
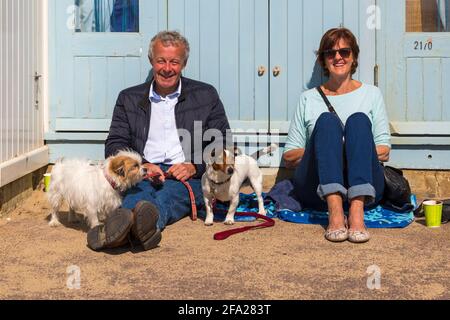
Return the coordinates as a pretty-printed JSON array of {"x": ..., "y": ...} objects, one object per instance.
[
  {"x": 276, "y": 71},
  {"x": 261, "y": 71}
]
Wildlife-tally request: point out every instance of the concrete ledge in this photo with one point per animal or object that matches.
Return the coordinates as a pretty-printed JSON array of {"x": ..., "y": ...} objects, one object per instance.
[
  {"x": 14, "y": 193},
  {"x": 19, "y": 167},
  {"x": 19, "y": 177},
  {"x": 429, "y": 184}
]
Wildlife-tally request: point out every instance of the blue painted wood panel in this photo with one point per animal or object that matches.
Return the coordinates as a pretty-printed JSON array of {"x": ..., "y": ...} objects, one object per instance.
[
  {"x": 295, "y": 79},
  {"x": 210, "y": 45},
  {"x": 446, "y": 89},
  {"x": 228, "y": 28},
  {"x": 332, "y": 14},
  {"x": 366, "y": 35},
  {"x": 296, "y": 28},
  {"x": 115, "y": 81},
  {"x": 312, "y": 30},
  {"x": 279, "y": 44},
  {"x": 427, "y": 96},
  {"x": 414, "y": 75},
  {"x": 260, "y": 50},
  {"x": 90, "y": 69},
  {"x": 98, "y": 81},
  {"x": 414, "y": 93},
  {"x": 229, "y": 41},
  {"x": 80, "y": 108},
  {"x": 432, "y": 88},
  {"x": 392, "y": 70}
]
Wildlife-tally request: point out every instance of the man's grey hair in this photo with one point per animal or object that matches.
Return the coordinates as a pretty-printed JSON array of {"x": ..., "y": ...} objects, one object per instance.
[{"x": 170, "y": 38}]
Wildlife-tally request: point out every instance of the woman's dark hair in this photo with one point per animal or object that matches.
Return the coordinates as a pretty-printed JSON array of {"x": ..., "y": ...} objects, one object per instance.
[{"x": 330, "y": 39}]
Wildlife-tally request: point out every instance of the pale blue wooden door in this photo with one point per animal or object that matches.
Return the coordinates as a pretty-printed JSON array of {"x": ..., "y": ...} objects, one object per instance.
[
  {"x": 232, "y": 39},
  {"x": 91, "y": 68},
  {"x": 296, "y": 28},
  {"x": 229, "y": 43},
  {"x": 416, "y": 71}
]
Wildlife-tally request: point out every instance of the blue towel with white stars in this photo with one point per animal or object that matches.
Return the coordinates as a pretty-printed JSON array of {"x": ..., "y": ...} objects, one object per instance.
[{"x": 376, "y": 218}]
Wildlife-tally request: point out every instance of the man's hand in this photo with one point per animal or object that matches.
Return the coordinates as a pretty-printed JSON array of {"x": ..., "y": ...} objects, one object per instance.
[
  {"x": 182, "y": 171},
  {"x": 154, "y": 169}
]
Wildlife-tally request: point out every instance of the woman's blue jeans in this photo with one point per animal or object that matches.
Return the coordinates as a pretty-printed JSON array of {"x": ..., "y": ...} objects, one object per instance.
[
  {"x": 171, "y": 198},
  {"x": 324, "y": 170}
]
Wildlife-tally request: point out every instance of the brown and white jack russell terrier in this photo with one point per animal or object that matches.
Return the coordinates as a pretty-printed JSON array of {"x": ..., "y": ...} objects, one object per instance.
[{"x": 225, "y": 173}]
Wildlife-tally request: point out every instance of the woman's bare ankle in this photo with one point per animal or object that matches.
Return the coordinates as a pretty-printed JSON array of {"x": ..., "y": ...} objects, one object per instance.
[
  {"x": 336, "y": 218},
  {"x": 356, "y": 215}
]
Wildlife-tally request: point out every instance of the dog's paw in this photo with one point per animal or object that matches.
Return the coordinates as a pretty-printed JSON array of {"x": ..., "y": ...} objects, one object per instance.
[
  {"x": 229, "y": 222},
  {"x": 208, "y": 223},
  {"x": 54, "y": 223},
  {"x": 263, "y": 213}
]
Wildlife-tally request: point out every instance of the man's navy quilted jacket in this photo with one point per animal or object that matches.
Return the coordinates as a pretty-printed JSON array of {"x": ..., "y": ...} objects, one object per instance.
[{"x": 198, "y": 102}]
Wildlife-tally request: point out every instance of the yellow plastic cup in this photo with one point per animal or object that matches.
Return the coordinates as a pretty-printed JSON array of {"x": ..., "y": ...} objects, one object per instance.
[
  {"x": 433, "y": 213},
  {"x": 47, "y": 179}
]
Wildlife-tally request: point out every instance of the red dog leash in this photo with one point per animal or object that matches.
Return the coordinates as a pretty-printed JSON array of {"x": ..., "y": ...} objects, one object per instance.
[
  {"x": 225, "y": 234},
  {"x": 269, "y": 222},
  {"x": 191, "y": 194}
]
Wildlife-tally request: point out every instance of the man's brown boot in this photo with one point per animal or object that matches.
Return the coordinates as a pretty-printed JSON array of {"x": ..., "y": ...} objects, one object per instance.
[
  {"x": 114, "y": 232},
  {"x": 144, "y": 229}
]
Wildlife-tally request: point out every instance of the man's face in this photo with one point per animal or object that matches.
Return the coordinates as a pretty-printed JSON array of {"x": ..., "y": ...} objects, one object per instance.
[{"x": 168, "y": 63}]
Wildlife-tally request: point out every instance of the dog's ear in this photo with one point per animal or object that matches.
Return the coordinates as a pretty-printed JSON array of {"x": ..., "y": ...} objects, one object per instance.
[
  {"x": 118, "y": 166},
  {"x": 120, "y": 171}
]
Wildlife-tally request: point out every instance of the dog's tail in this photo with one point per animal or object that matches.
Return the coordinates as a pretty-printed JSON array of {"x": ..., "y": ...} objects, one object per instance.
[{"x": 267, "y": 150}]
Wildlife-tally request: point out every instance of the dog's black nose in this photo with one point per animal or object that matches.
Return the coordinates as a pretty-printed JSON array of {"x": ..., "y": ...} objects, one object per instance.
[
  {"x": 230, "y": 170},
  {"x": 144, "y": 170}
]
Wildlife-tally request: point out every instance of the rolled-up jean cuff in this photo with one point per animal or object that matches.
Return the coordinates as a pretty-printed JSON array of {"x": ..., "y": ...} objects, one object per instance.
[
  {"x": 327, "y": 189},
  {"x": 366, "y": 190}
]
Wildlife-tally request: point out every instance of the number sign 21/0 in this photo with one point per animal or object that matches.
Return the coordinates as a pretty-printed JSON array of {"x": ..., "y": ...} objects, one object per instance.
[{"x": 423, "y": 45}]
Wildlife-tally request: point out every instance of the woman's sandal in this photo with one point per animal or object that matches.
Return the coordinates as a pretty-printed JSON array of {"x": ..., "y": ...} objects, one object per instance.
[
  {"x": 338, "y": 235},
  {"x": 357, "y": 236}
]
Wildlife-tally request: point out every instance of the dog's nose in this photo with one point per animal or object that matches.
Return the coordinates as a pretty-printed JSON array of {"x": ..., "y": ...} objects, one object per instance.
[
  {"x": 144, "y": 170},
  {"x": 230, "y": 170}
]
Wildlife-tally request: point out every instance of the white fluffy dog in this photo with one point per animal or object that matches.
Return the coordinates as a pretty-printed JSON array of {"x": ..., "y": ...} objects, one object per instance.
[
  {"x": 224, "y": 176},
  {"x": 93, "y": 190}
]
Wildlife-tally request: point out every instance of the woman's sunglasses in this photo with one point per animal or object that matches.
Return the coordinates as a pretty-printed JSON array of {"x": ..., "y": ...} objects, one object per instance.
[{"x": 343, "y": 52}]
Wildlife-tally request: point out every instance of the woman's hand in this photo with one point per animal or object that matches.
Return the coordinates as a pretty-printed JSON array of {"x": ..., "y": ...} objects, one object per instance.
[
  {"x": 293, "y": 157},
  {"x": 383, "y": 153},
  {"x": 182, "y": 171}
]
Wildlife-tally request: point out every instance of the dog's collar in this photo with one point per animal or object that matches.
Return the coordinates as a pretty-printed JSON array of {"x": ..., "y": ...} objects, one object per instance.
[
  {"x": 110, "y": 181},
  {"x": 220, "y": 183}
]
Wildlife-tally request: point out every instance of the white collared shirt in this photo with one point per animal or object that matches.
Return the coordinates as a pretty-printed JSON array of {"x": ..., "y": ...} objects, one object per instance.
[{"x": 163, "y": 143}]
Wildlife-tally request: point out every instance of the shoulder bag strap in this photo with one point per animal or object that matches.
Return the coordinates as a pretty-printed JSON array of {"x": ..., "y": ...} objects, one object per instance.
[{"x": 328, "y": 103}]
